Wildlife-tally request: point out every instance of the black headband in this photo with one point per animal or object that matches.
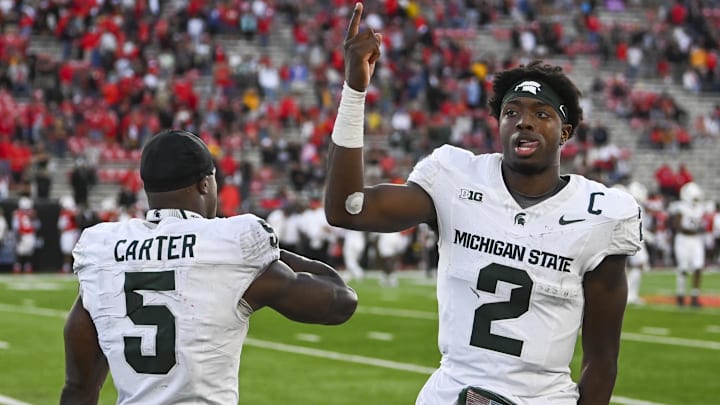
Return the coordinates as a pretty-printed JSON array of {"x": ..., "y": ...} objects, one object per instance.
[{"x": 539, "y": 90}]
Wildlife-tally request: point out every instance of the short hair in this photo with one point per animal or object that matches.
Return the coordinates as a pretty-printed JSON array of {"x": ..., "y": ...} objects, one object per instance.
[{"x": 539, "y": 71}]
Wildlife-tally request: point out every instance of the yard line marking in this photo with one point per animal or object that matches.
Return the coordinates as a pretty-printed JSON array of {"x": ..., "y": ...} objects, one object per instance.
[
  {"x": 713, "y": 328},
  {"x": 630, "y": 401},
  {"x": 637, "y": 337},
  {"x": 349, "y": 358},
  {"x": 308, "y": 337},
  {"x": 380, "y": 336},
  {"x": 35, "y": 285},
  {"x": 4, "y": 345},
  {"x": 703, "y": 344},
  {"x": 401, "y": 313},
  {"x": 54, "y": 277},
  {"x": 384, "y": 363},
  {"x": 675, "y": 309},
  {"x": 11, "y": 401},
  {"x": 651, "y": 330},
  {"x": 672, "y": 341},
  {"x": 33, "y": 310}
]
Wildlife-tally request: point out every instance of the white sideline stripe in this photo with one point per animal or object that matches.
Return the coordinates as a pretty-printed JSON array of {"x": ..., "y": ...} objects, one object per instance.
[
  {"x": 349, "y": 358},
  {"x": 11, "y": 401},
  {"x": 4, "y": 345},
  {"x": 630, "y": 401}
]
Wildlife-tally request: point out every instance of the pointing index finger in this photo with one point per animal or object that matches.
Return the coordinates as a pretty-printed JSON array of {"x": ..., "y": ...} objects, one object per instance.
[{"x": 354, "y": 25}]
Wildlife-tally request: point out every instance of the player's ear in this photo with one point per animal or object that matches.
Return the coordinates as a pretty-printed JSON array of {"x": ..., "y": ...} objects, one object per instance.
[
  {"x": 566, "y": 133},
  {"x": 203, "y": 186}
]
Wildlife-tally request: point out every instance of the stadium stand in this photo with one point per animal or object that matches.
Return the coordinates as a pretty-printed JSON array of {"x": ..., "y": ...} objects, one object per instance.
[{"x": 259, "y": 80}]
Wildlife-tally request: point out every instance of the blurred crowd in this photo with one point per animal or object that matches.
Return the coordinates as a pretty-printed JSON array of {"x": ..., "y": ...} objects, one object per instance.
[{"x": 89, "y": 81}]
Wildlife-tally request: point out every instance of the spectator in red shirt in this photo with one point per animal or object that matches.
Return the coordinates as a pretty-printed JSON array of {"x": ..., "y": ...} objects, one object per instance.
[
  {"x": 683, "y": 176},
  {"x": 229, "y": 198},
  {"x": 667, "y": 181}
]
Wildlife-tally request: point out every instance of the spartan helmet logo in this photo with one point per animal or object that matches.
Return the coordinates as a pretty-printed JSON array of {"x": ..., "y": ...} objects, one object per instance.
[
  {"x": 529, "y": 86},
  {"x": 520, "y": 219}
]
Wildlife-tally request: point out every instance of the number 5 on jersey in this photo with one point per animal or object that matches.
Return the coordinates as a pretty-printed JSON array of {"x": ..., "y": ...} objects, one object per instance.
[{"x": 154, "y": 315}]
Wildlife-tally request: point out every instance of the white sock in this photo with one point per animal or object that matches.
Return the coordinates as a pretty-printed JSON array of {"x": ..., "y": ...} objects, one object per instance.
[
  {"x": 634, "y": 276},
  {"x": 680, "y": 284}
]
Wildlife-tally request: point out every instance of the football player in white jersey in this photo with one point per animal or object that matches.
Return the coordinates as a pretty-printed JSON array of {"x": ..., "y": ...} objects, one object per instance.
[
  {"x": 527, "y": 257},
  {"x": 165, "y": 302},
  {"x": 689, "y": 246}
]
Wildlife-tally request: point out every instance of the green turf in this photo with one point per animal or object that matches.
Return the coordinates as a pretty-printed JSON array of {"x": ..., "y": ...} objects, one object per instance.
[{"x": 668, "y": 355}]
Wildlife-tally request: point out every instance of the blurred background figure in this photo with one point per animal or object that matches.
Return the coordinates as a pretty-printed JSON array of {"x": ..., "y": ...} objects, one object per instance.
[
  {"x": 25, "y": 225},
  {"x": 285, "y": 220},
  {"x": 69, "y": 231},
  {"x": 82, "y": 178},
  {"x": 427, "y": 240},
  {"x": 3, "y": 230},
  {"x": 687, "y": 218},
  {"x": 230, "y": 198},
  {"x": 316, "y": 231},
  {"x": 352, "y": 250},
  {"x": 390, "y": 248}
]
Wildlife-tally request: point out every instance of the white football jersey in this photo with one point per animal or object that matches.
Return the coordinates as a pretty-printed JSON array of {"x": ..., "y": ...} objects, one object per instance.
[
  {"x": 166, "y": 300},
  {"x": 691, "y": 214},
  {"x": 689, "y": 249},
  {"x": 509, "y": 288}
]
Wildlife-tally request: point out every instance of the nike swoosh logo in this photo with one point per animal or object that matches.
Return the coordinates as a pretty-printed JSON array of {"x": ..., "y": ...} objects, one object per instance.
[{"x": 564, "y": 221}]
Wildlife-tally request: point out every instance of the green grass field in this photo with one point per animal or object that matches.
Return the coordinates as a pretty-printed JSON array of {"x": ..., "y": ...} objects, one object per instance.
[{"x": 381, "y": 356}]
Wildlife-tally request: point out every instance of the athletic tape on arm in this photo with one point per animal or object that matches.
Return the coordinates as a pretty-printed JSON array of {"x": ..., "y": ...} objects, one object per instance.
[{"x": 348, "y": 129}]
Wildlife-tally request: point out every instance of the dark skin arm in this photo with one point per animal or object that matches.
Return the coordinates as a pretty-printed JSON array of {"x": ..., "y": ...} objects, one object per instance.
[
  {"x": 676, "y": 224},
  {"x": 605, "y": 291},
  {"x": 386, "y": 207},
  {"x": 86, "y": 367},
  {"x": 303, "y": 290}
]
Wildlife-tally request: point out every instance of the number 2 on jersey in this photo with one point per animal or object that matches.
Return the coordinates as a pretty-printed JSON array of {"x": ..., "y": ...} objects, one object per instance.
[
  {"x": 156, "y": 315},
  {"x": 487, "y": 313}
]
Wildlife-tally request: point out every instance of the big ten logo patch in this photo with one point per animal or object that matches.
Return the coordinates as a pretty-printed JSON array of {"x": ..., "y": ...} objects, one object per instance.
[{"x": 466, "y": 194}]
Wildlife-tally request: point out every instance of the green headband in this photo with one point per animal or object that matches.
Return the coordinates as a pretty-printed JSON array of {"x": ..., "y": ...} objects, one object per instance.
[{"x": 539, "y": 90}]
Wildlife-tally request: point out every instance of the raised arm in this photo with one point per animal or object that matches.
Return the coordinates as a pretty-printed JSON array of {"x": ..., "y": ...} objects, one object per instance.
[
  {"x": 348, "y": 203},
  {"x": 85, "y": 365},
  {"x": 605, "y": 299},
  {"x": 303, "y": 290}
]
